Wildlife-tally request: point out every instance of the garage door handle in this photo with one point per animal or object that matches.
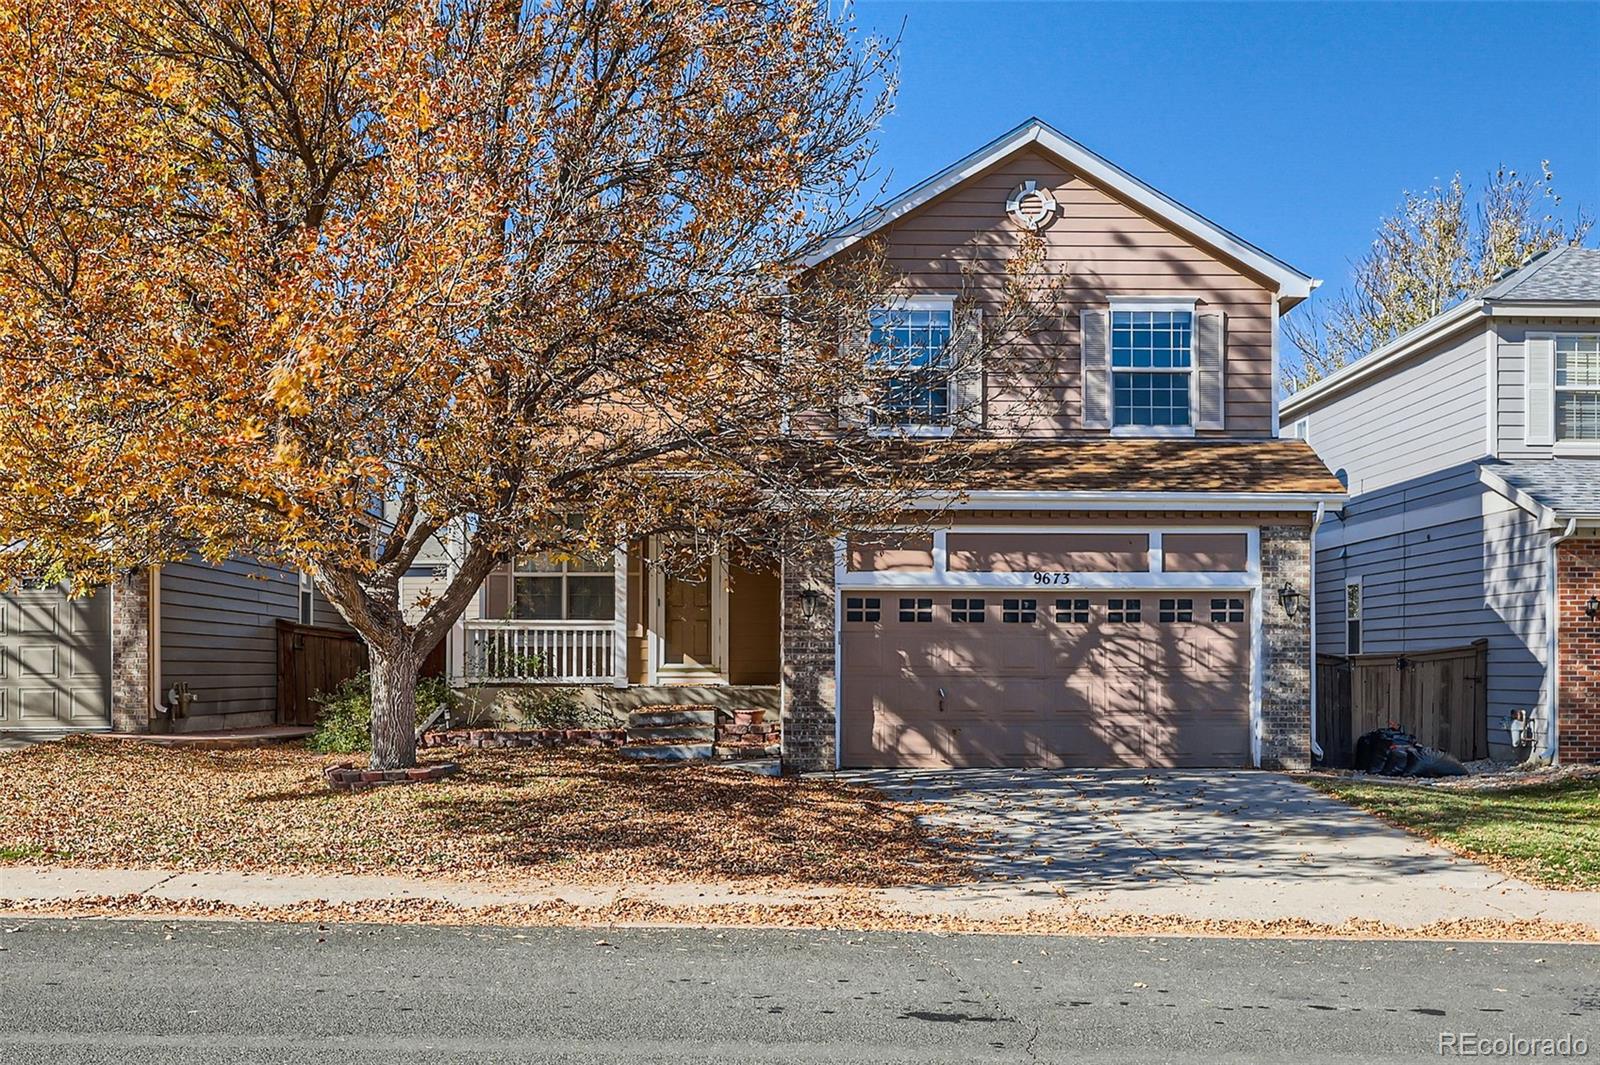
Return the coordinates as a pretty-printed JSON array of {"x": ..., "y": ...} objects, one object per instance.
[{"x": 941, "y": 700}]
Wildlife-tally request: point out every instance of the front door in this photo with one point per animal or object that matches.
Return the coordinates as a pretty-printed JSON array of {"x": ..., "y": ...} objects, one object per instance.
[{"x": 686, "y": 630}]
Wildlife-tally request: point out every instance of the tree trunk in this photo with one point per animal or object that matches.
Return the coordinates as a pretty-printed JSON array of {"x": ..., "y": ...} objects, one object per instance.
[{"x": 394, "y": 705}]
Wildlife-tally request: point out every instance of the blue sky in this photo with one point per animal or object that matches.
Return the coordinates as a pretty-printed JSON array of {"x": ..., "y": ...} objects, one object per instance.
[{"x": 1295, "y": 125}]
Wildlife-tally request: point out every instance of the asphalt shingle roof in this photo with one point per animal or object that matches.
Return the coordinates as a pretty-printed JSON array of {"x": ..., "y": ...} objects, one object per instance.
[
  {"x": 1570, "y": 487},
  {"x": 1565, "y": 274}
]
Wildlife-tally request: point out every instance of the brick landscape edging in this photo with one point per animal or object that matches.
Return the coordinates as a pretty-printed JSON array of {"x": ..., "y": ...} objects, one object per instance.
[
  {"x": 350, "y": 777},
  {"x": 536, "y": 737}
]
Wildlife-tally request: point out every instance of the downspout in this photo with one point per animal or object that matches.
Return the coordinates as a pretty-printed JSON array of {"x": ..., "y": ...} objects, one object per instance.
[
  {"x": 1553, "y": 652},
  {"x": 1311, "y": 605}
]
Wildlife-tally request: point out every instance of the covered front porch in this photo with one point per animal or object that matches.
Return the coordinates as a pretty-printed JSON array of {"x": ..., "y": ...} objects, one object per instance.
[{"x": 622, "y": 621}]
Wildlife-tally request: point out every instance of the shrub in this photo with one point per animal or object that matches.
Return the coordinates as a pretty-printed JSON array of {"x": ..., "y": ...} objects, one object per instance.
[
  {"x": 538, "y": 707},
  {"x": 345, "y": 724}
]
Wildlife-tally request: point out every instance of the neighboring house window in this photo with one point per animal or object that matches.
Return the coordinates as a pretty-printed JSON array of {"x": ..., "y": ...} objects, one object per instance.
[
  {"x": 308, "y": 600},
  {"x": 911, "y": 358},
  {"x": 1352, "y": 617},
  {"x": 1578, "y": 388},
  {"x": 548, "y": 589},
  {"x": 1302, "y": 430},
  {"x": 1152, "y": 368}
]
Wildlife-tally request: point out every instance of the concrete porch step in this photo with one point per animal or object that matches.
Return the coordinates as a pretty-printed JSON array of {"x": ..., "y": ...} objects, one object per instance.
[
  {"x": 661, "y": 733},
  {"x": 669, "y": 752}
]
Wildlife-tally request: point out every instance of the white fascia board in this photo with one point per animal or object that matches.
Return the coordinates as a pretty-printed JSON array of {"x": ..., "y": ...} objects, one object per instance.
[
  {"x": 1020, "y": 500},
  {"x": 1191, "y": 582},
  {"x": 1543, "y": 310},
  {"x": 1368, "y": 365},
  {"x": 1293, "y": 285}
]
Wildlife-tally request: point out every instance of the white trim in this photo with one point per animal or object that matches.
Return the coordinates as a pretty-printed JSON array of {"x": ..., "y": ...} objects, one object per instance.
[
  {"x": 1258, "y": 654},
  {"x": 1493, "y": 481},
  {"x": 1156, "y": 551},
  {"x": 153, "y": 646},
  {"x": 1491, "y": 390},
  {"x": 1093, "y": 581},
  {"x": 912, "y": 432},
  {"x": 712, "y": 675},
  {"x": 1544, "y": 310},
  {"x": 1158, "y": 304},
  {"x": 1291, "y": 283},
  {"x": 1065, "y": 500},
  {"x": 653, "y": 609},
  {"x": 1311, "y": 606},
  {"x": 840, "y": 564},
  {"x": 1277, "y": 374}
]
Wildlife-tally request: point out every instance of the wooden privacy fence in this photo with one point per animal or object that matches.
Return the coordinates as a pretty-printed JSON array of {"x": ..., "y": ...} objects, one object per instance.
[
  {"x": 313, "y": 659},
  {"x": 1441, "y": 697}
]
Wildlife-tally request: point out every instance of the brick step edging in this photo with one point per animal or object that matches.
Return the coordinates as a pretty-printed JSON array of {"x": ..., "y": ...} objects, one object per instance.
[{"x": 350, "y": 777}]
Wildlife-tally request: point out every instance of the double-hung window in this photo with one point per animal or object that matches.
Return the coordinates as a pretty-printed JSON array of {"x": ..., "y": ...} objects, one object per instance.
[
  {"x": 1152, "y": 367},
  {"x": 549, "y": 588},
  {"x": 1578, "y": 388},
  {"x": 909, "y": 354}
]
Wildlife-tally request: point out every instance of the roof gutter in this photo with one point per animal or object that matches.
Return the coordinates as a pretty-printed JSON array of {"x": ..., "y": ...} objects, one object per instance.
[{"x": 1070, "y": 500}]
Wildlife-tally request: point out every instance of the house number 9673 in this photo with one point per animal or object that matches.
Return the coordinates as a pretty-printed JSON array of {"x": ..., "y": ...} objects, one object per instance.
[{"x": 1052, "y": 578}]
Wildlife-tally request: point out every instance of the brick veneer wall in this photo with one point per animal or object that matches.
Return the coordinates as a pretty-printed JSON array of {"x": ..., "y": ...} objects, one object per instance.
[
  {"x": 1577, "y": 652},
  {"x": 809, "y": 703},
  {"x": 130, "y": 653},
  {"x": 1286, "y": 658}
]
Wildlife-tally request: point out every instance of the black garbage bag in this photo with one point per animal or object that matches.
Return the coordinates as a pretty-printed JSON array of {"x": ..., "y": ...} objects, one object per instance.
[{"x": 1391, "y": 752}]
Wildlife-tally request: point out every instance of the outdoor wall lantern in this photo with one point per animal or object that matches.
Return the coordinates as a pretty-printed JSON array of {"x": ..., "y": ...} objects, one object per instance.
[
  {"x": 1592, "y": 607},
  {"x": 1289, "y": 599},
  {"x": 809, "y": 597}
]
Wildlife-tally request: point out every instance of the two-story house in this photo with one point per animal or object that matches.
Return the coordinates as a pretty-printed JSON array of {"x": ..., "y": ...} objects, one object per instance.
[
  {"x": 1471, "y": 448},
  {"x": 1122, "y": 576}
]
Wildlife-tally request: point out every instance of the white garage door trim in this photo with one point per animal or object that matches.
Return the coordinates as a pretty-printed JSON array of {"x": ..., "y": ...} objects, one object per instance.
[{"x": 941, "y": 578}]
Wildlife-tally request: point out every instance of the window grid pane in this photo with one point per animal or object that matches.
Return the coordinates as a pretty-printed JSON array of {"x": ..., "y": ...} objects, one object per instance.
[
  {"x": 1578, "y": 362},
  {"x": 1227, "y": 610},
  {"x": 1176, "y": 610},
  {"x": 857, "y": 608},
  {"x": 1072, "y": 611},
  {"x": 916, "y": 610},
  {"x": 1578, "y": 415},
  {"x": 911, "y": 349},
  {"x": 1019, "y": 611},
  {"x": 1150, "y": 398},
  {"x": 1120, "y": 611},
  {"x": 967, "y": 611}
]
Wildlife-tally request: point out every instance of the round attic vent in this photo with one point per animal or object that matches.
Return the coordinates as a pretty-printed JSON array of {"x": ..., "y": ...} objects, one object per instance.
[{"x": 1030, "y": 206}]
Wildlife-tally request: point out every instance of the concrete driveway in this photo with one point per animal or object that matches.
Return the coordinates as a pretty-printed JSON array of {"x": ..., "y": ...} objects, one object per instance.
[{"x": 1207, "y": 844}]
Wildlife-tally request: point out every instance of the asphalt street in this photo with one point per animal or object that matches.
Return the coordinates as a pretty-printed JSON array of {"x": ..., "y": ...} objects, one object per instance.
[{"x": 172, "y": 993}]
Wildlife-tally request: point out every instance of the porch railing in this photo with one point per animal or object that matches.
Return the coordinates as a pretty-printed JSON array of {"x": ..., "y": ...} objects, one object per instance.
[{"x": 539, "y": 652}]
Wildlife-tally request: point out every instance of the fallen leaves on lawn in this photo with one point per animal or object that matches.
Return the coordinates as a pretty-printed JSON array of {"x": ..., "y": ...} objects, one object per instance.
[{"x": 568, "y": 816}]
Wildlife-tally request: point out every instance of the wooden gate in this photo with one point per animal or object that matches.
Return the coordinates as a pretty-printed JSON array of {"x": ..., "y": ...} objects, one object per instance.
[
  {"x": 313, "y": 660},
  {"x": 1441, "y": 697}
]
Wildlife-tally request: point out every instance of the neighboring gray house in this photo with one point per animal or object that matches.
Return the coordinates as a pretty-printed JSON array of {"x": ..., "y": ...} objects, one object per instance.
[{"x": 1471, "y": 449}]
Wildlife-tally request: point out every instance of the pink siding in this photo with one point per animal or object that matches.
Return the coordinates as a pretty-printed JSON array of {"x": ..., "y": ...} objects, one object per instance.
[{"x": 1110, "y": 249}]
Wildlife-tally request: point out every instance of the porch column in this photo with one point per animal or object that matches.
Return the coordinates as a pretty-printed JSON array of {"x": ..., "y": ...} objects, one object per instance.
[
  {"x": 619, "y": 614},
  {"x": 809, "y": 708}
]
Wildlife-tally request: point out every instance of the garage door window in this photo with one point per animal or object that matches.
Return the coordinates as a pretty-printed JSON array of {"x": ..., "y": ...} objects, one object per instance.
[
  {"x": 914, "y": 610},
  {"x": 1019, "y": 611},
  {"x": 1227, "y": 610},
  {"x": 967, "y": 611},
  {"x": 1176, "y": 610},
  {"x": 859, "y": 609},
  {"x": 1072, "y": 611},
  {"x": 1121, "y": 611}
]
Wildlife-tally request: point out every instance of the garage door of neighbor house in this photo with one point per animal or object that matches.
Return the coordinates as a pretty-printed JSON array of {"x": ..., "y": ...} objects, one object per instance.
[
  {"x": 55, "y": 660},
  {"x": 937, "y": 678}
]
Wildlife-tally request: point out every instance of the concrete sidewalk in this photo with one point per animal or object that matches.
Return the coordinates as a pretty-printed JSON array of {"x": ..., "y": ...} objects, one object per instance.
[{"x": 1250, "y": 901}]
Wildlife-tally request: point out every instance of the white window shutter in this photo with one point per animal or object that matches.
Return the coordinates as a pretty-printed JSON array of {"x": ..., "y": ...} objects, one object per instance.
[
  {"x": 1211, "y": 359},
  {"x": 1095, "y": 368},
  {"x": 1539, "y": 395},
  {"x": 855, "y": 404},
  {"x": 966, "y": 393}
]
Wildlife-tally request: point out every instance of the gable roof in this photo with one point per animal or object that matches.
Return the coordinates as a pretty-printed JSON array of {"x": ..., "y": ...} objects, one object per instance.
[
  {"x": 1563, "y": 279},
  {"x": 1293, "y": 286}
]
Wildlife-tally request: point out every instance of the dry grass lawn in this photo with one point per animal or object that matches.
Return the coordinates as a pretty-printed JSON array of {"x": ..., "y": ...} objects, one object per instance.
[{"x": 555, "y": 816}]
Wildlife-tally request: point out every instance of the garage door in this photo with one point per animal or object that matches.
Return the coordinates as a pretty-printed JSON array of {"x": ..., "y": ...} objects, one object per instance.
[
  {"x": 937, "y": 679},
  {"x": 55, "y": 660}
]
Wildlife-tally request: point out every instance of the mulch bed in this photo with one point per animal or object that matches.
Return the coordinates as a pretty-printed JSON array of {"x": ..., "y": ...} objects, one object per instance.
[{"x": 555, "y": 815}]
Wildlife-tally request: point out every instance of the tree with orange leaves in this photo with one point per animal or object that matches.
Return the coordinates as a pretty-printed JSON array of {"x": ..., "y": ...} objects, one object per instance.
[{"x": 321, "y": 281}]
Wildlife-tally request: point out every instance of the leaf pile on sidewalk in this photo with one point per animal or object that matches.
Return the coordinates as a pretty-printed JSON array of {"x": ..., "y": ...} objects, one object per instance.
[{"x": 567, "y": 816}]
